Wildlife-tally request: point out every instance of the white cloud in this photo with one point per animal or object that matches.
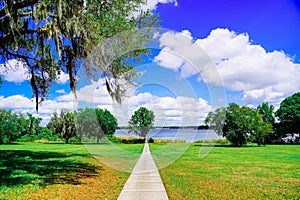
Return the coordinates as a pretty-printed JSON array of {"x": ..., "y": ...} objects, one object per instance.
[
  {"x": 14, "y": 71},
  {"x": 169, "y": 60},
  {"x": 180, "y": 53},
  {"x": 62, "y": 91},
  {"x": 239, "y": 65},
  {"x": 21, "y": 104},
  {"x": 17, "y": 72},
  {"x": 16, "y": 101},
  {"x": 62, "y": 78},
  {"x": 94, "y": 93},
  {"x": 152, "y": 4},
  {"x": 168, "y": 110}
]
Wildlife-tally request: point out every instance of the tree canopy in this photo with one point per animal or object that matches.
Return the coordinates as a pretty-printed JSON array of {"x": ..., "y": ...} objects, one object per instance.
[
  {"x": 96, "y": 123},
  {"x": 64, "y": 124},
  {"x": 87, "y": 123},
  {"x": 141, "y": 121},
  {"x": 267, "y": 112},
  {"x": 239, "y": 124},
  {"x": 14, "y": 126},
  {"x": 49, "y": 37},
  {"x": 10, "y": 126},
  {"x": 289, "y": 114},
  {"x": 107, "y": 122}
]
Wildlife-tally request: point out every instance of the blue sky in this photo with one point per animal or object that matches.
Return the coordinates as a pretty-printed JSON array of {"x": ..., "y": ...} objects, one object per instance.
[{"x": 207, "y": 54}]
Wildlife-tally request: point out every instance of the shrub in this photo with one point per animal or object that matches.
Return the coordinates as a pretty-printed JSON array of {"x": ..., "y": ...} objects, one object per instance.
[
  {"x": 151, "y": 140},
  {"x": 160, "y": 141},
  {"x": 74, "y": 139},
  {"x": 26, "y": 138},
  {"x": 114, "y": 139},
  {"x": 130, "y": 140}
]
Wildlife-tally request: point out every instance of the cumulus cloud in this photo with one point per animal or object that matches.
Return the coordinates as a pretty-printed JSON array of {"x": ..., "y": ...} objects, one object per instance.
[
  {"x": 181, "y": 53},
  {"x": 62, "y": 91},
  {"x": 14, "y": 71},
  {"x": 15, "y": 102},
  {"x": 17, "y": 72},
  {"x": 94, "y": 93},
  {"x": 168, "y": 110},
  {"x": 152, "y": 4},
  {"x": 62, "y": 78},
  {"x": 23, "y": 105},
  {"x": 230, "y": 59}
]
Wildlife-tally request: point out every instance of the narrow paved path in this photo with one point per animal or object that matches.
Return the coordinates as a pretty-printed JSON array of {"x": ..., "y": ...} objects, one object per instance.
[{"x": 144, "y": 181}]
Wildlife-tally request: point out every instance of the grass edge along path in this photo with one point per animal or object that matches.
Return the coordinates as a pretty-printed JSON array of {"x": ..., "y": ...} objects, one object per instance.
[{"x": 269, "y": 172}]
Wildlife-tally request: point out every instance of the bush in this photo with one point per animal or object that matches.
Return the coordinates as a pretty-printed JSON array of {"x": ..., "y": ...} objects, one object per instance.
[
  {"x": 114, "y": 139},
  {"x": 163, "y": 141},
  {"x": 74, "y": 139},
  {"x": 130, "y": 140},
  {"x": 151, "y": 140},
  {"x": 26, "y": 138},
  {"x": 221, "y": 141}
]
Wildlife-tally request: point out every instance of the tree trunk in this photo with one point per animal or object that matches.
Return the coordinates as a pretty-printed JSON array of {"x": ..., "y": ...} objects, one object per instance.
[
  {"x": 98, "y": 139},
  {"x": 80, "y": 136}
]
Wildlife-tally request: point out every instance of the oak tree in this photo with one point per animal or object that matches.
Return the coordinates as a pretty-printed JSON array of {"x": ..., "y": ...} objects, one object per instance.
[
  {"x": 49, "y": 37},
  {"x": 141, "y": 122}
]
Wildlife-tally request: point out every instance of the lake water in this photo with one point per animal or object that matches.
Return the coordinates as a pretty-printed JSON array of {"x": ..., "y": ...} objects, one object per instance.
[{"x": 189, "y": 135}]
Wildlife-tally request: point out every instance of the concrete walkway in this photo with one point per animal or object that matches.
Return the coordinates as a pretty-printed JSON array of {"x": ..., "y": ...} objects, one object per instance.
[{"x": 144, "y": 181}]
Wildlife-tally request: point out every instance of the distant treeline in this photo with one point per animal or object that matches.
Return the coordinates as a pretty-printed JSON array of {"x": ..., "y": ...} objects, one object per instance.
[{"x": 201, "y": 127}]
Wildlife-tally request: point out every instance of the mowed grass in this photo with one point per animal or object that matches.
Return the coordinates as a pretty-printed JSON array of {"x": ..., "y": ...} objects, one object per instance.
[
  {"x": 269, "y": 172},
  {"x": 59, "y": 171}
]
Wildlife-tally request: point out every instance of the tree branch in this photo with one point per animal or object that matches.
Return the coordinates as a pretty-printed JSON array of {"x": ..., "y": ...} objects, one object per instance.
[{"x": 21, "y": 5}]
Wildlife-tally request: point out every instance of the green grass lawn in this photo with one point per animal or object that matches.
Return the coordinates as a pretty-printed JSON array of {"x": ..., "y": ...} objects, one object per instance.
[
  {"x": 59, "y": 171},
  {"x": 269, "y": 172}
]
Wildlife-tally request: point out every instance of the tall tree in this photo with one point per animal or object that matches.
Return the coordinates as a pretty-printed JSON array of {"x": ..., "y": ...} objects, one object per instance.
[
  {"x": 289, "y": 114},
  {"x": 34, "y": 124},
  {"x": 240, "y": 125},
  {"x": 96, "y": 123},
  {"x": 55, "y": 124},
  {"x": 141, "y": 122},
  {"x": 107, "y": 122},
  {"x": 260, "y": 128},
  {"x": 216, "y": 120},
  {"x": 51, "y": 36},
  {"x": 88, "y": 124},
  {"x": 12, "y": 126},
  {"x": 64, "y": 124},
  {"x": 267, "y": 112},
  {"x": 69, "y": 125}
]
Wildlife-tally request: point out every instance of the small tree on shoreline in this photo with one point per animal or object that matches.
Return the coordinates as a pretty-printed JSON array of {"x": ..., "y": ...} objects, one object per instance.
[{"x": 141, "y": 122}]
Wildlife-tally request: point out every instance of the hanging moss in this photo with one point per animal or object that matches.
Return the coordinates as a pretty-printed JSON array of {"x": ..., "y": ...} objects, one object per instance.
[{"x": 30, "y": 28}]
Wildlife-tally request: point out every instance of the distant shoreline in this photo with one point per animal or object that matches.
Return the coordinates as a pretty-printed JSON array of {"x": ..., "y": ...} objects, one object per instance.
[{"x": 200, "y": 127}]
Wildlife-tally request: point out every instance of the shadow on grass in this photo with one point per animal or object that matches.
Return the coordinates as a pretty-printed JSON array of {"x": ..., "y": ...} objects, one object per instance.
[{"x": 18, "y": 167}]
